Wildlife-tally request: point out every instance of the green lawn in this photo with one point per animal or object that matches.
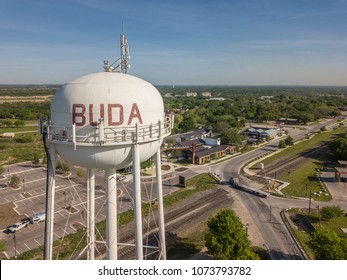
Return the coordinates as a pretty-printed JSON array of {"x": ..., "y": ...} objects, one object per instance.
[
  {"x": 306, "y": 145},
  {"x": 12, "y": 151},
  {"x": 18, "y": 129},
  {"x": 334, "y": 224},
  {"x": 303, "y": 178}
]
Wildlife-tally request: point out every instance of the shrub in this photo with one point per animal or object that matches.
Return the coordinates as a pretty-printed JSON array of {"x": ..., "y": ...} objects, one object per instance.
[
  {"x": 330, "y": 212},
  {"x": 282, "y": 144},
  {"x": 24, "y": 139},
  {"x": 14, "y": 181}
]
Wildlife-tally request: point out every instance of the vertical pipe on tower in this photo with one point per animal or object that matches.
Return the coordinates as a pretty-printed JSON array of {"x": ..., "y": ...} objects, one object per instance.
[
  {"x": 50, "y": 198},
  {"x": 91, "y": 214},
  {"x": 160, "y": 206},
  {"x": 111, "y": 215},
  {"x": 137, "y": 202}
]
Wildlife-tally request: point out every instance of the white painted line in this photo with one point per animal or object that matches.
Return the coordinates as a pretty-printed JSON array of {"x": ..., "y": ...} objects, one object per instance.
[
  {"x": 27, "y": 246},
  {"x": 37, "y": 242}
]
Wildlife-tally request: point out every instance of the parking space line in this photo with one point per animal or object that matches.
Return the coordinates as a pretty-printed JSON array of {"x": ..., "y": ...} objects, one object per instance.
[
  {"x": 27, "y": 246},
  {"x": 37, "y": 242}
]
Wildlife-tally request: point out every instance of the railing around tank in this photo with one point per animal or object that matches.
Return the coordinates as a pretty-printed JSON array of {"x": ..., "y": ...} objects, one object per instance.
[{"x": 101, "y": 135}]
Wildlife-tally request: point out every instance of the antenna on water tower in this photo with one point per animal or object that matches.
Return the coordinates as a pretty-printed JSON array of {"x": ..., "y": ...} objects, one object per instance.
[{"x": 123, "y": 62}]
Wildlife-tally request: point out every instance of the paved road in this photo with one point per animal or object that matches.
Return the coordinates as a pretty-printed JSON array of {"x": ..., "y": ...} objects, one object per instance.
[{"x": 265, "y": 213}]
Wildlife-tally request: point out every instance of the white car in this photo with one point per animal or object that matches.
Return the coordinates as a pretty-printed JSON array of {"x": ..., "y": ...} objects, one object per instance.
[
  {"x": 121, "y": 178},
  {"x": 17, "y": 226}
]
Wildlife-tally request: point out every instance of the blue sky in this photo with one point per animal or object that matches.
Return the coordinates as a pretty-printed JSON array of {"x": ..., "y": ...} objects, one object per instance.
[{"x": 191, "y": 42}]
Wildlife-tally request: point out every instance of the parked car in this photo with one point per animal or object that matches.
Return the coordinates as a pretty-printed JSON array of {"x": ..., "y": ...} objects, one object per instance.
[
  {"x": 120, "y": 178},
  {"x": 18, "y": 226},
  {"x": 37, "y": 218}
]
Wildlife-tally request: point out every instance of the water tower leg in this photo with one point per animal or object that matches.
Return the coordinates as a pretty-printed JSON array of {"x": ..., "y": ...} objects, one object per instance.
[
  {"x": 137, "y": 202},
  {"x": 91, "y": 214},
  {"x": 50, "y": 193},
  {"x": 162, "y": 246},
  {"x": 111, "y": 215}
]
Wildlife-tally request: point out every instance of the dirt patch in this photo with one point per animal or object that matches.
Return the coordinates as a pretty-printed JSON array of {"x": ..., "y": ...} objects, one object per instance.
[
  {"x": 181, "y": 169},
  {"x": 165, "y": 167},
  {"x": 8, "y": 216},
  {"x": 34, "y": 98}
]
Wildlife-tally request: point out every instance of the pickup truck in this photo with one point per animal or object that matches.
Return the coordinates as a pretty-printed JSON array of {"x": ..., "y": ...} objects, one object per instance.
[{"x": 17, "y": 226}]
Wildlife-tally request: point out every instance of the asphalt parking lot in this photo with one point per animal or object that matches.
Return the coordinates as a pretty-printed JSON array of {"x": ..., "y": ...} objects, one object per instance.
[
  {"x": 29, "y": 198},
  {"x": 338, "y": 190}
]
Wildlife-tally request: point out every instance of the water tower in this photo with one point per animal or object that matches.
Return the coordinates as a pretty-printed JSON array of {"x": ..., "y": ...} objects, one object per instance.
[{"x": 108, "y": 120}]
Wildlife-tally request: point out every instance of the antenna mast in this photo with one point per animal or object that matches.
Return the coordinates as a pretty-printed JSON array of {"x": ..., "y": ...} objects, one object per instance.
[{"x": 123, "y": 61}]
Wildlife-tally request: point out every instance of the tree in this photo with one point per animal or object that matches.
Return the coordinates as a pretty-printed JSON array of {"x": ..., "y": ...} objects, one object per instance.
[
  {"x": 7, "y": 123},
  {"x": 2, "y": 245},
  {"x": 282, "y": 144},
  {"x": 189, "y": 122},
  {"x": 36, "y": 158},
  {"x": 329, "y": 212},
  {"x": 62, "y": 167},
  {"x": 289, "y": 141},
  {"x": 327, "y": 245},
  {"x": 338, "y": 148},
  {"x": 19, "y": 123},
  {"x": 226, "y": 238}
]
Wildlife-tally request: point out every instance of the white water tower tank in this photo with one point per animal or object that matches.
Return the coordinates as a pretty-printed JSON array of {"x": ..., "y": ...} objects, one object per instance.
[{"x": 97, "y": 118}]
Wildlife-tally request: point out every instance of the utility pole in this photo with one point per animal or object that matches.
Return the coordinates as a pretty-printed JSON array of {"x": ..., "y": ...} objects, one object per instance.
[
  {"x": 23, "y": 186},
  {"x": 309, "y": 194},
  {"x": 15, "y": 246}
]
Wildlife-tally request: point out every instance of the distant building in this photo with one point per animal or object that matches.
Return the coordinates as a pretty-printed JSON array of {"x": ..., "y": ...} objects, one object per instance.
[
  {"x": 8, "y": 135},
  {"x": 212, "y": 141},
  {"x": 190, "y": 143},
  {"x": 200, "y": 133},
  {"x": 206, "y": 94},
  {"x": 268, "y": 133},
  {"x": 343, "y": 163},
  {"x": 288, "y": 121},
  {"x": 191, "y": 94},
  {"x": 340, "y": 174},
  {"x": 200, "y": 146},
  {"x": 169, "y": 95},
  {"x": 216, "y": 98},
  {"x": 261, "y": 133},
  {"x": 213, "y": 153},
  {"x": 266, "y": 97}
]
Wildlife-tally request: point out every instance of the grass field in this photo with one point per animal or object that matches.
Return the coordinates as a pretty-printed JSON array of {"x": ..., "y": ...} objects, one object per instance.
[
  {"x": 23, "y": 146},
  {"x": 334, "y": 224},
  {"x": 306, "y": 145},
  {"x": 304, "y": 178}
]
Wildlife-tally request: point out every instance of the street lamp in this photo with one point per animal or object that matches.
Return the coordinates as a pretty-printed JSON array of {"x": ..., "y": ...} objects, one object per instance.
[
  {"x": 290, "y": 182},
  {"x": 64, "y": 193},
  {"x": 15, "y": 246},
  {"x": 309, "y": 202},
  {"x": 319, "y": 215}
]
